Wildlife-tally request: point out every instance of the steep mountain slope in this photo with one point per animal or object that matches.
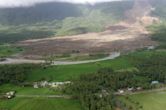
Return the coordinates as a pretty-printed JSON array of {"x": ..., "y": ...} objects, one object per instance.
[
  {"x": 59, "y": 19},
  {"x": 38, "y": 13},
  {"x": 159, "y": 8},
  {"x": 58, "y": 11},
  {"x": 54, "y": 19}
]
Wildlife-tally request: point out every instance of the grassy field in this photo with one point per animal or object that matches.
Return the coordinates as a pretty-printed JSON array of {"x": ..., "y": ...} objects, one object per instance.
[
  {"x": 81, "y": 57},
  {"x": 39, "y": 104},
  {"x": 36, "y": 103},
  {"x": 69, "y": 72},
  {"x": 7, "y": 50},
  {"x": 150, "y": 101},
  {"x": 28, "y": 90}
]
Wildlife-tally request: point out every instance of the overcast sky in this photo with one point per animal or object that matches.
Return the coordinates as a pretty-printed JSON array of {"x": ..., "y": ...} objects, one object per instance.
[{"x": 16, "y": 3}]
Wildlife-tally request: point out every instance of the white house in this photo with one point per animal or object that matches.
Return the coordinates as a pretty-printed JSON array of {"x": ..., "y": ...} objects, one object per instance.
[
  {"x": 154, "y": 82},
  {"x": 10, "y": 94},
  {"x": 121, "y": 91}
]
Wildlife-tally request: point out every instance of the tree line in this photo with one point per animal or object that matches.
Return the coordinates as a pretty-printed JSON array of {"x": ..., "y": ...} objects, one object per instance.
[
  {"x": 96, "y": 91},
  {"x": 15, "y": 74}
]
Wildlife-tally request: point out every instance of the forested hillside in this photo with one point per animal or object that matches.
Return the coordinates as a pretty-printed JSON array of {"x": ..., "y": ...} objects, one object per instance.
[
  {"x": 160, "y": 8},
  {"x": 58, "y": 11},
  {"x": 38, "y": 13},
  {"x": 57, "y": 19}
]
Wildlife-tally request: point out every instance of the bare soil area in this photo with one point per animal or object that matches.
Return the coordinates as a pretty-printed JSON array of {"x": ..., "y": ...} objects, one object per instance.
[{"x": 120, "y": 37}]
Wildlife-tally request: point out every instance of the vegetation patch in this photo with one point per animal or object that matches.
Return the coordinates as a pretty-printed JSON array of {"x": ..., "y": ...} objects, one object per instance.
[
  {"x": 28, "y": 90},
  {"x": 39, "y": 104},
  {"x": 15, "y": 74},
  {"x": 69, "y": 72},
  {"x": 78, "y": 57},
  {"x": 97, "y": 90},
  {"x": 7, "y": 50},
  {"x": 159, "y": 34},
  {"x": 146, "y": 101}
]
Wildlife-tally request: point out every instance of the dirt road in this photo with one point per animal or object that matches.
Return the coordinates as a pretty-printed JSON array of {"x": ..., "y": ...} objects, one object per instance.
[{"x": 22, "y": 61}]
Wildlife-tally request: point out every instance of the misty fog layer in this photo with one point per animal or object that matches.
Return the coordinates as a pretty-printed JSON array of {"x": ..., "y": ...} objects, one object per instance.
[{"x": 21, "y": 3}]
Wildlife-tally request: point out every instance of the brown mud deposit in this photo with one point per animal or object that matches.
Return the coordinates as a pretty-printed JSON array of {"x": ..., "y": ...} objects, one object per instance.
[
  {"x": 121, "y": 37},
  {"x": 124, "y": 36}
]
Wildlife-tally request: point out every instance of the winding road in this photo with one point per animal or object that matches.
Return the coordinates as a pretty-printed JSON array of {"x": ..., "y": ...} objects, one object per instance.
[{"x": 22, "y": 61}]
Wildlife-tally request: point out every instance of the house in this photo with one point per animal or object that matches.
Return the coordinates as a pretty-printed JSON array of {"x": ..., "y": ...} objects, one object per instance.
[
  {"x": 139, "y": 88},
  {"x": 130, "y": 89},
  {"x": 154, "y": 82},
  {"x": 44, "y": 83},
  {"x": 121, "y": 91},
  {"x": 10, "y": 94},
  {"x": 40, "y": 84},
  {"x": 58, "y": 84},
  {"x": 35, "y": 85},
  {"x": 151, "y": 48}
]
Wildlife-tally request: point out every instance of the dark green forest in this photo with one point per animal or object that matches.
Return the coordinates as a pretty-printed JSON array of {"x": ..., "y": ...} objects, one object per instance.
[
  {"x": 96, "y": 91},
  {"x": 15, "y": 74}
]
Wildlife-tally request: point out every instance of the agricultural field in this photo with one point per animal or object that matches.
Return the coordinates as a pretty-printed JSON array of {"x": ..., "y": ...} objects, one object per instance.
[
  {"x": 149, "y": 101},
  {"x": 28, "y": 90},
  {"x": 65, "y": 73},
  {"x": 34, "y": 103},
  {"x": 69, "y": 72},
  {"x": 39, "y": 104}
]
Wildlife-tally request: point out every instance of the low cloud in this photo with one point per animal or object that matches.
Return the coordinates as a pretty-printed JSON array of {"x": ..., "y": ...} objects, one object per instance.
[{"x": 24, "y": 3}]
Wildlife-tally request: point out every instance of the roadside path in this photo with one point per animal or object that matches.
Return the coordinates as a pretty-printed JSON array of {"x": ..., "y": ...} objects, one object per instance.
[
  {"x": 142, "y": 92},
  {"x": 22, "y": 61},
  {"x": 69, "y": 97},
  {"x": 44, "y": 96}
]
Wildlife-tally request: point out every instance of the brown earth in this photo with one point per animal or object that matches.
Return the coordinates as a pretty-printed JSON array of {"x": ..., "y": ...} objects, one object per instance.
[
  {"x": 121, "y": 37},
  {"x": 125, "y": 36}
]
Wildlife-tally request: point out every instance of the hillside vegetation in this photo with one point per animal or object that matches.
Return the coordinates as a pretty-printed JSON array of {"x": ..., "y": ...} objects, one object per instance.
[
  {"x": 160, "y": 9},
  {"x": 159, "y": 34},
  {"x": 96, "y": 91},
  {"x": 66, "y": 19},
  {"x": 146, "y": 101},
  {"x": 40, "y": 104},
  {"x": 7, "y": 50}
]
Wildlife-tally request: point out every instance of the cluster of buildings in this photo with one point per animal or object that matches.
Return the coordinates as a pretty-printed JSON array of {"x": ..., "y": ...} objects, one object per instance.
[
  {"x": 121, "y": 91},
  {"x": 132, "y": 89},
  {"x": 44, "y": 84},
  {"x": 8, "y": 95}
]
